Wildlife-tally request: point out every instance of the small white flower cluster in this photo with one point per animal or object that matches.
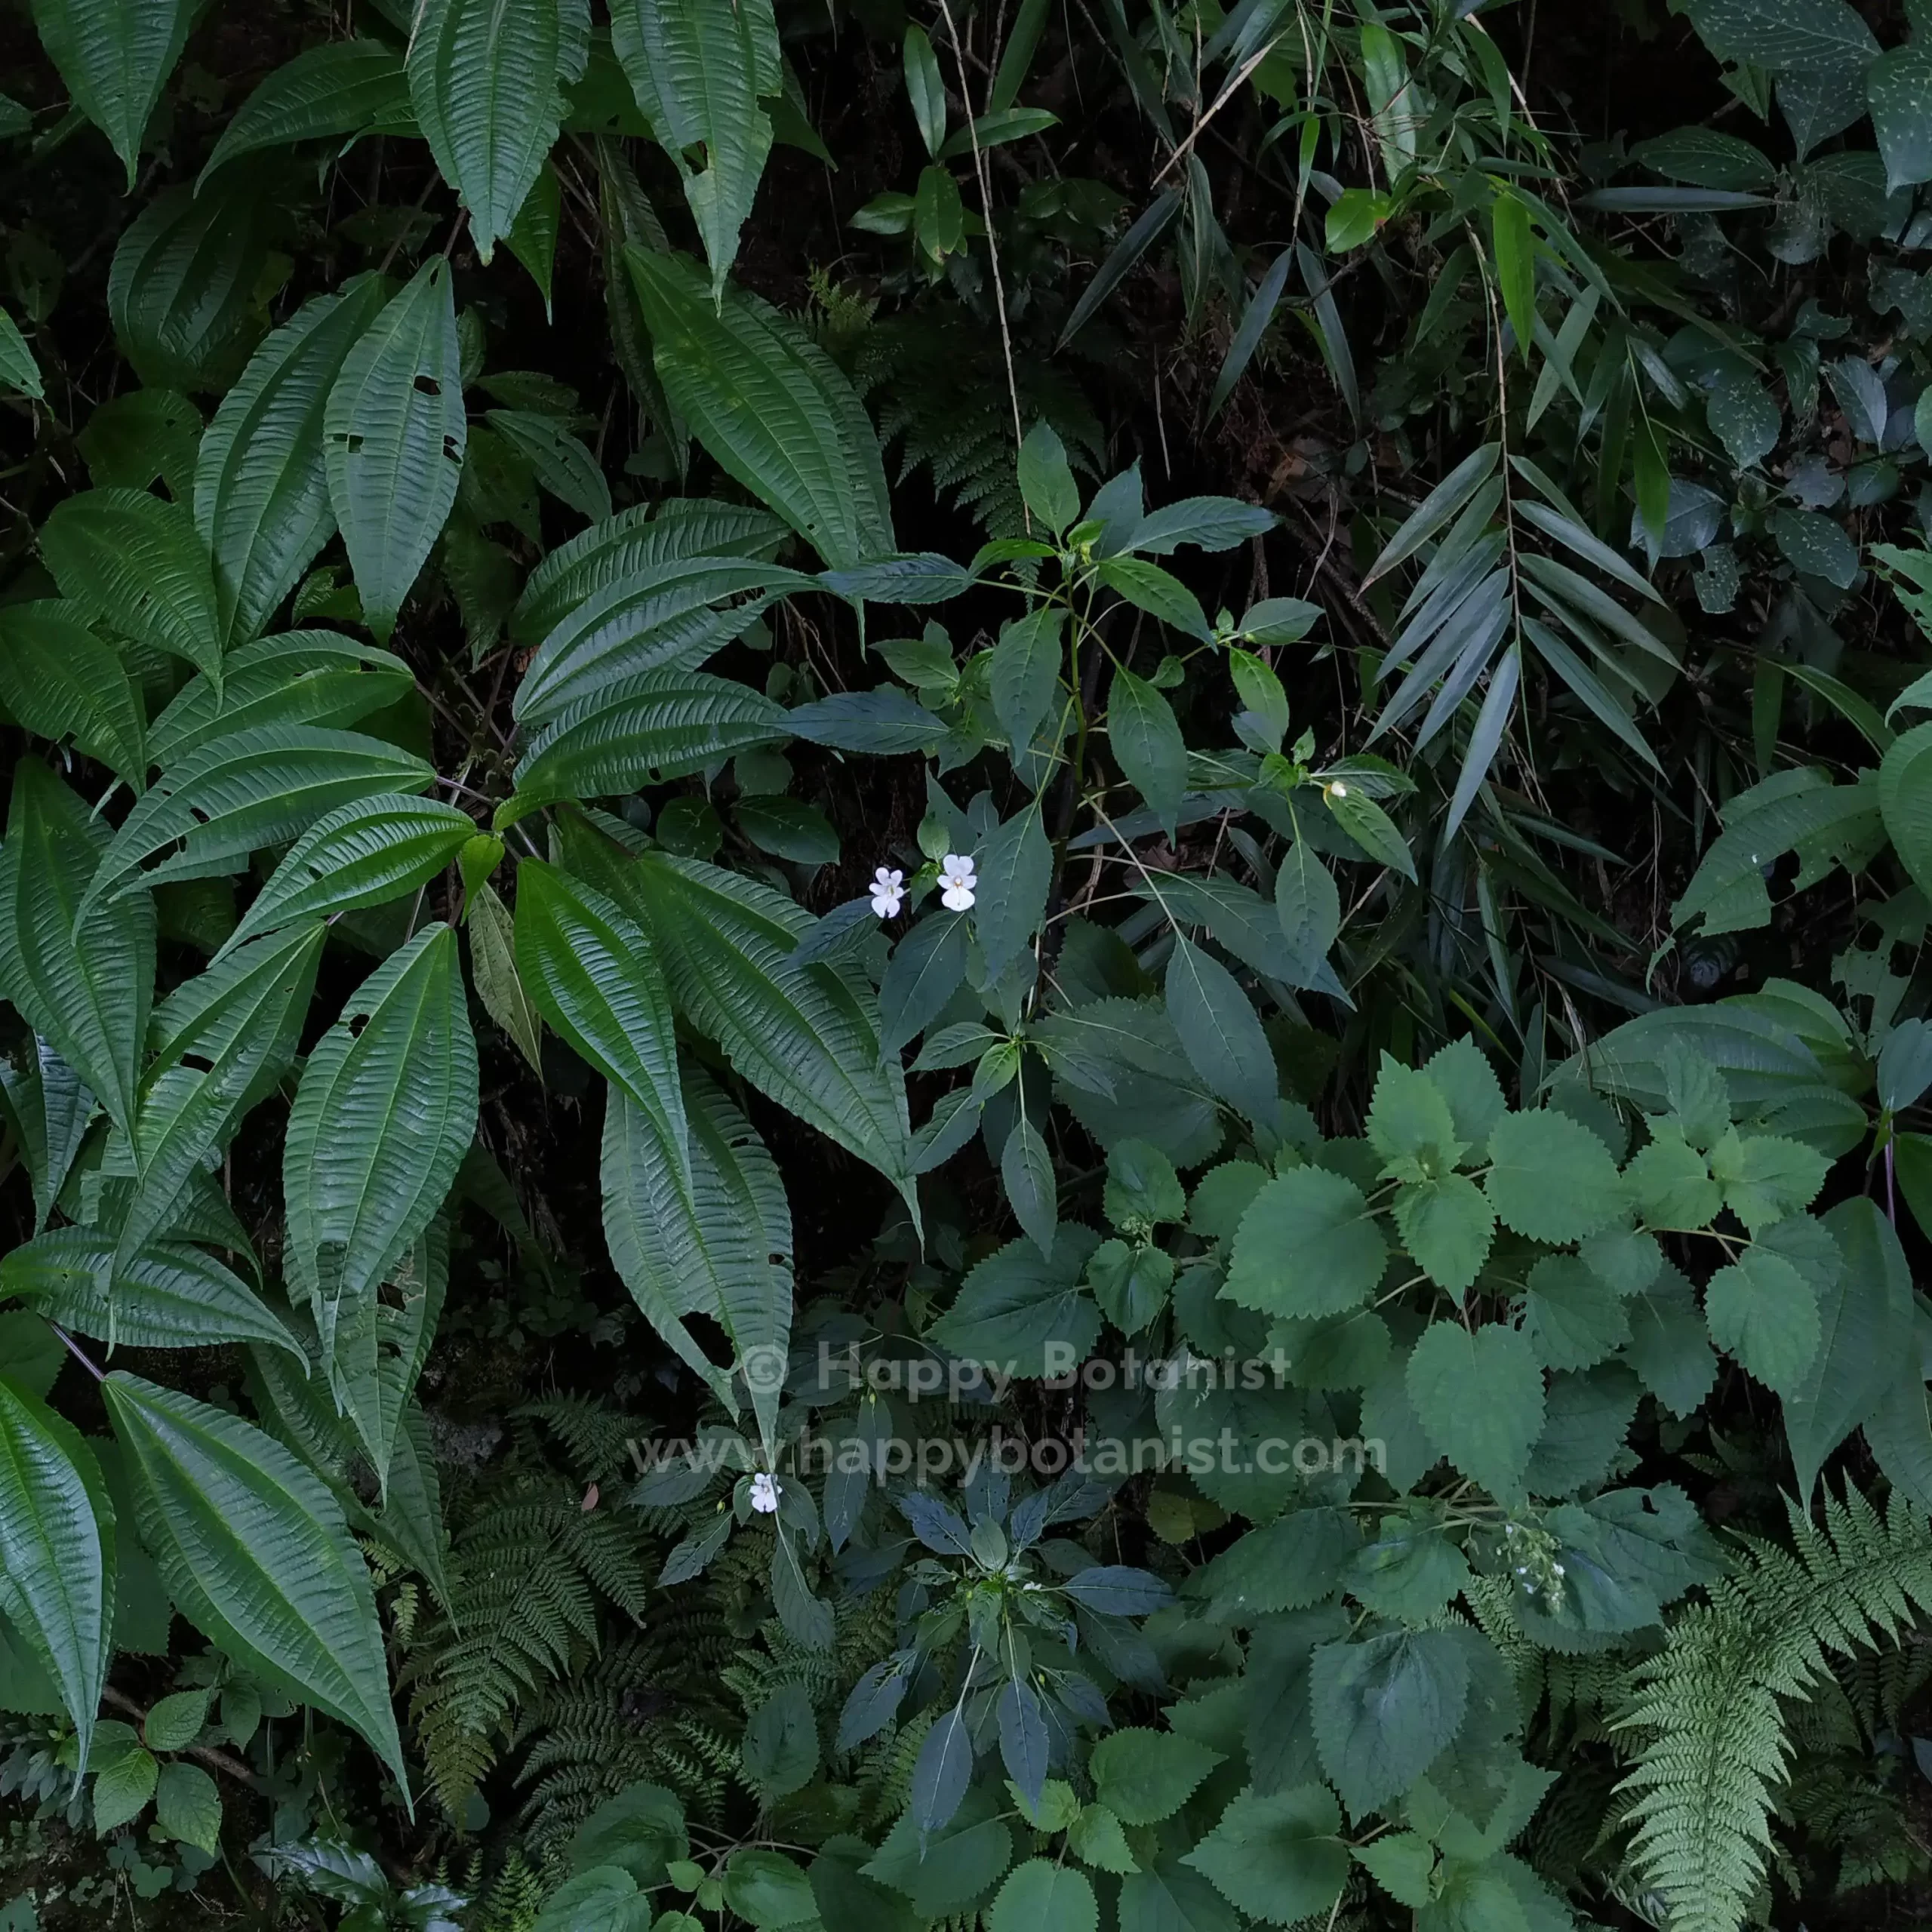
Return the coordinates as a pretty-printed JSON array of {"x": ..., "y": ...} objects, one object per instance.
[
  {"x": 957, "y": 887},
  {"x": 765, "y": 1494}
]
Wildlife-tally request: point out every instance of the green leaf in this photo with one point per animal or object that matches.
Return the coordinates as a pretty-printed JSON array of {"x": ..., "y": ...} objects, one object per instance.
[
  {"x": 926, "y": 969},
  {"x": 1551, "y": 1178},
  {"x": 366, "y": 853},
  {"x": 884, "y": 721},
  {"x": 1764, "y": 1312},
  {"x": 767, "y": 1890},
  {"x": 115, "y": 56},
  {"x": 261, "y": 486},
  {"x": 1515, "y": 265},
  {"x": 1023, "y": 1312},
  {"x": 255, "y": 1552},
  {"x": 18, "y": 370},
  {"x": 562, "y": 465},
  {"x": 1448, "y": 1226},
  {"x": 1745, "y": 418},
  {"x": 172, "y": 1723},
  {"x": 1905, "y": 801},
  {"x": 1042, "y": 1896},
  {"x": 1435, "y": 512},
  {"x": 1668, "y": 1347},
  {"x": 492, "y": 962},
  {"x": 168, "y": 1295},
  {"x": 533, "y": 235},
  {"x": 1573, "y": 1317},
  {"x": 1149, "y": 588},
  {"x": 925, "y": 88},
  {"x": 187, "y": 1807},
  {"x": 1027, "y": 1171},
  {"x": 81, "y": 978},
  {"x": 1401, "y": 1864},
  {"x": 1046, "y": 478},
  {"x": 807, "y": 1036},
  {"x": 385, "y": 1109},
  {"x": 485, "y": 79},
  {"x": 1384, "y": 1710},
  {"x": 1146, "y": 740},
  {"x": 1015, "y": 867},
  {"x": 127, "y": 559},
  {"x": 1765, "y": 1177},
  {"x": 394, "y": 432},
  {"x": 1143, "y": 1776},
  {"x": 1479, "y": 1398},
  {"x": 57, "y": 1553},
  {"x": 595, "y": 976},
  {"x": 770, "y": 405},
  {"x": 1277, "y": 1858},
  {"x": 59, "y": 680},
  {"x": 1815, "y": 545},
  {"x": 122, "y": 1789},
  {"x": 1800, "y": 36},
  {"x": 1306, "y": 1246},
  {"x": 1310, "y": 911},
  {"x": 343, "y": 87},
  {"x": 263, "y": 786},
  {"x": 1370, "y": 826},
  {"x": 1024, "y": 673},
  {"x": 1219, "y": 1031},
  {"x": 1670, "y": 1181},
  {"x": 700, "y": 69},
  {"x": 1898, "y": 85}
]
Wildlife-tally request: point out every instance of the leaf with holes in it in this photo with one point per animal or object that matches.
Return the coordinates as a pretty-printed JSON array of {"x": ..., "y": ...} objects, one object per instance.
[
  {"x": 261, "y": 486},
  {"x": 394, "y": 431},
  {"x": 80, "y": 976},
  {"x": 115, "y": 56},
  {"x": 381, "y": 1122},
  {"x": 59, "y": 680},
  {"x": 57, "y": 1553},
  {"x": 485, "y": 78},
  {"x": 131, "y": 560},
  {"x": 254, "y": 1551}
]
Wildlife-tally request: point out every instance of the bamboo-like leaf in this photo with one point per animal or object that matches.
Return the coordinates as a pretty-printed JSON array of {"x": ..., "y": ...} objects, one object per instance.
[
  {"x": 770, "y": 405},
  {"x": 59, "y": 680},
  {"x": 719, "y": 1245},
  {"x": 254, "y": 1551},
  {"x": 594, "y": 976},
  {"x": 1435, "y": 509},
  {"x": 131, "y": 560},
  {"x": 261, "y": 491},
  {"x": 81, "y": 977},
  {"x": 395, "y": 432},
  {"x": 700, "y": 69},
  {"x": 386, "y": 1107},
  {"x": 343, "y": 87},
  {"x": 115, "y": 56},
  {"x": 222, "y": 1040},
  {"x": 240, "y": 792},
  {"x": 485, "y": 80},
  {"x": 659, "y": 724},
  {"x": 57, "y": 1553},
  {"x": 168, "y": 1295}
]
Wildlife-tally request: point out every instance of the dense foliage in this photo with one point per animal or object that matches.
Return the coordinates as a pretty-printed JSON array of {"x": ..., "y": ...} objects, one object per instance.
[{"x": 965, "y": 966}]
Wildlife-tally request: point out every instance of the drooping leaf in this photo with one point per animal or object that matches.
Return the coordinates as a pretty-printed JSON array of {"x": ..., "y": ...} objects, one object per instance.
[
  {"x": 1146, "y": 740},
  {"x": 59, "y": 680},
  {"x": 343, "y": 87},
  {"x": 115, "y": 56},
  {"x": 255, "y": 1551},
  {"x": 18, "y": 370},
  {"x": 395, "y": 432},
  {"x": 1219, "y": 1031}
]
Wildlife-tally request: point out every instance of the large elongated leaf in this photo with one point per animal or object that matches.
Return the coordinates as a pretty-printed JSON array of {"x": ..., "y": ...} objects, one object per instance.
[
  {"x": 182, "y": 291},
  {"x": 386, "y": 1107},
  {"x": 299, "y": 678},
  {"x": 57, "y": 1553},
  {"x": 344, "y": 86},
  {"x": 254, "y": 1551},
  {"x": 169, "y": 1295},
  {"x": 365, "y": 853},
  {"x": 719, "y": 1245},
  {"x": 261, "y": 493},
  {"x": 700, "y": 69},
  {"x": 770, "y": 405},
  {"x": 59, "y": 680},
  {"x": 485, "y": 79},
  {"x": 250, "y": 788},
  {"x": 661, "y": 616},
  {"x": 658, "y": 724},
  {"x": 115, "y": 56},
  {"x": 596, "y": 978},
  {"x": 222, "y": 1040},
  {"x": 806, "y": 1035},
  {"x": 394, "y": 432},
  {"x": 131, "y": 560},
  {"x": 80, "y": 978}
]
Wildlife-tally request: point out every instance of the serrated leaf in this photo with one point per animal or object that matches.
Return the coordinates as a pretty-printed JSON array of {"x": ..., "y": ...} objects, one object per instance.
[
  {"x": 700, "y": 69},
  {"x": 255, "y": 1551},
  {"x": 1550, "y": 1177},
  {"x": 115, "y": 56},
  {"x": 342, "y": 88},
  {"x": 82, "y": 979},
  {"x": 1306, "y": 1246},
  {"x": 1143, "y": 1777},
  {"x": 122, "y": 1789},
  {"x": 1015, "y": 869},
  {"x": 1020, "y": 1310},
  {"x": 261, "y": 486},
  {"x": 57, "y": 1553},
  {"x": 187, "y": 1807},
  {"x": 58, "y": 680},
  {"x": 1448, "y": 1226},
  {"x": 1479, "y": 1398},
  {"x": 394, "y": 432},
  {"x": 1023, "y": 1738},
  {"x": 485, "y": 79},
  {"x": 1024, "y": 673},
  {"x": 1146, "y": 740},
  {"x": 379, "y": 1126},
  {"x": 1027, "y": 1171},
  {"x": 926, "y": 969},
  {"x": 767, "y": 403},
  {"x": 1384, "y": 1710},
  {"x": 1041, "y": 1896},
  {"x": 1764, "y": 1312},
  {"x": 1279, "y": 1859},
  {"x": 130, "y": 560},
  {"x": 1309, "y": 909}
]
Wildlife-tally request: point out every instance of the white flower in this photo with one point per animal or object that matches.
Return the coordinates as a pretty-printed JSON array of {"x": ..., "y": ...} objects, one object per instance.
[
  {"x": 765, "y": 1494},
  {"x": 956, "y": 884},
  {"x": 888, "y": 892}
]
